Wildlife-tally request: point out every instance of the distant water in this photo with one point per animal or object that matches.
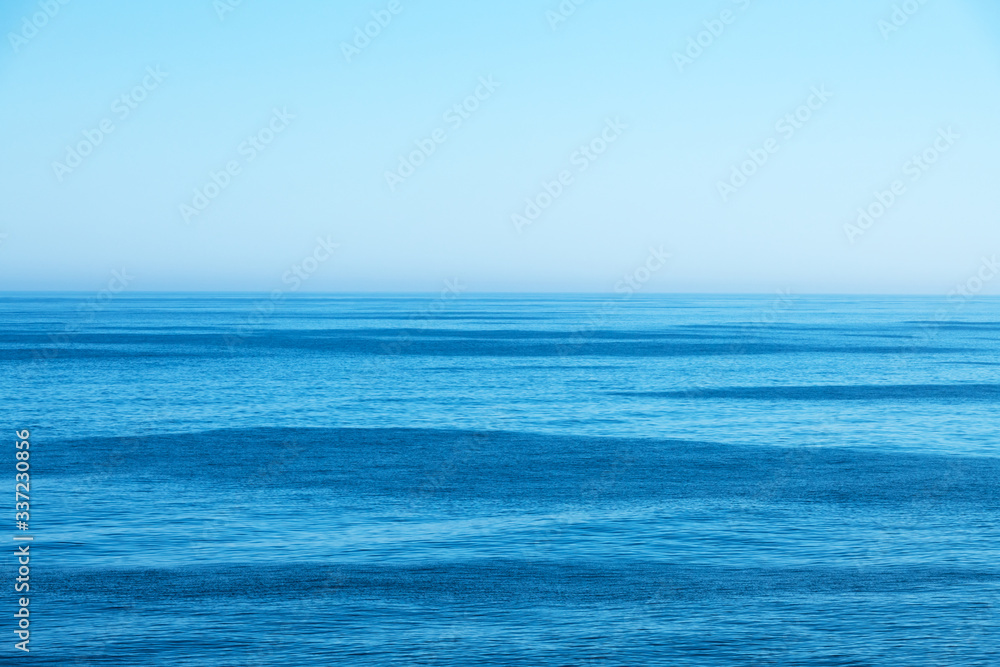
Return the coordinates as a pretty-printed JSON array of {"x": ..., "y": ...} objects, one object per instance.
[{"x": 560, "y": 480}]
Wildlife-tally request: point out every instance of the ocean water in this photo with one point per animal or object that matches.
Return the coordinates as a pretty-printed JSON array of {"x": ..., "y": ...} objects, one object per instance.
[{"x": 510, "y": 480}]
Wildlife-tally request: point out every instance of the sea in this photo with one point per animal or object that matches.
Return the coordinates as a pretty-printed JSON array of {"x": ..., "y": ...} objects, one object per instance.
[{"x": 504, "y": 479}]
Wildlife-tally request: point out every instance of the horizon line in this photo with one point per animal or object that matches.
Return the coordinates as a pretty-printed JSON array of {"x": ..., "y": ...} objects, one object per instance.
[{"x": 615, "y": 295}]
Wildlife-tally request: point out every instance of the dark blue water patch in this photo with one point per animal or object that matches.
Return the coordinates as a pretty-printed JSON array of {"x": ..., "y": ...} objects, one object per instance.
[
  {"x": 505, "y": 582},
  {"x": 957, "y": 325},
  {"x": 504, "y": 466},
  {"x": 947, "y": 393},
  {"x": 508, "y": 612},
  {"x": 402, "y": 342},
  {"x": 972, "y": 363}
]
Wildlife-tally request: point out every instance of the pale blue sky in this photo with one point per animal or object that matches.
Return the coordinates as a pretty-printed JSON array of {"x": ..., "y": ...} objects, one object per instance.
[{"x": 679, "y": 134}]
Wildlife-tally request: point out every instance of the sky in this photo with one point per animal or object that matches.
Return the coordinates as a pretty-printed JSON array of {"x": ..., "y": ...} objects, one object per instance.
[{"x": 524, "y": 145}]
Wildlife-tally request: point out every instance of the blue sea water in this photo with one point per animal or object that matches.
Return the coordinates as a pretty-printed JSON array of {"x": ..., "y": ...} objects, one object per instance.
[{"x": 507, "y": 479}]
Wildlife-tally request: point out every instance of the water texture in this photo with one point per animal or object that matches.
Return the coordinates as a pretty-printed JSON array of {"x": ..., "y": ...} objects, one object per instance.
[{"x": 548, "y": 480}]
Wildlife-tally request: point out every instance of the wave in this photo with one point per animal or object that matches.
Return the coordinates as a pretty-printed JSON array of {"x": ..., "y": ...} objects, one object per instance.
[
  {"x": 524, "y": 467},
  {"x": 430, "y": 342}
]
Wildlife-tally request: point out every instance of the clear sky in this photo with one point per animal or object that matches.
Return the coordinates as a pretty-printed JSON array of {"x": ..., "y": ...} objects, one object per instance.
[{"x": 665, "y": 121}]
